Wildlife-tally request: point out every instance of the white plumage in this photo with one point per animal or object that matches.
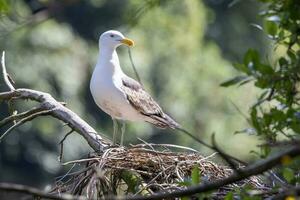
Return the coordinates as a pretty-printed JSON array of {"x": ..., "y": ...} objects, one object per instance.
[
  {"x": 106, "y": 83},
  {"x": 119, "y": 95}
]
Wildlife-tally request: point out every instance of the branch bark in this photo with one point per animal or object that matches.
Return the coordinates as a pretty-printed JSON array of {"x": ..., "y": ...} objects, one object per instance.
[
  {"x": 11, "y": 187},
  {"x": 48, "y": 106},
  {"x": 62, "y": 113}
]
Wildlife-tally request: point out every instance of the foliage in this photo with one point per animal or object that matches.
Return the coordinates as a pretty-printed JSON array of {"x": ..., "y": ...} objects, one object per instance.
[{"x": 275, "y": 116}]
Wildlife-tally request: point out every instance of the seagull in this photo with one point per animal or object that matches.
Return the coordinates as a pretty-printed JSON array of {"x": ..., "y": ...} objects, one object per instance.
[{"x": 120, "y": 96}]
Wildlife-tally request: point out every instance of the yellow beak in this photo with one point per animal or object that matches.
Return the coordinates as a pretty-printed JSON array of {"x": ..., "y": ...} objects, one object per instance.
[{"x": 127, "y": 42}]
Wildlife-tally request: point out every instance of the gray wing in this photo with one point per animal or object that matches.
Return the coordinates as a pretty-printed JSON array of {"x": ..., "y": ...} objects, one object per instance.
[{"x": 145, "y": 104}]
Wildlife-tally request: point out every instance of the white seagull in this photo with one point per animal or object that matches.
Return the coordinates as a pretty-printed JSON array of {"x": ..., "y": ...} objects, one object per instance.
[{"x": 117, "y": 94}]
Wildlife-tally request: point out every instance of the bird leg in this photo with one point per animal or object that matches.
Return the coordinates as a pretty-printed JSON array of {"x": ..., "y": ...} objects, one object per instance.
[
  {"x": 123, "y": 128},
  {"x": 115, "y": 132}
]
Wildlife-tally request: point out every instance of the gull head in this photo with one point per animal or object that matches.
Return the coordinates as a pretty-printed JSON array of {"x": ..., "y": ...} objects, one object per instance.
[{"x": 113, "y": 39}]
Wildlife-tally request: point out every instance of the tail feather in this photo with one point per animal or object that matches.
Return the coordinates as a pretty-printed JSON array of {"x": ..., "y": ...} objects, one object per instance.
[{"x": 164, "y": 121}]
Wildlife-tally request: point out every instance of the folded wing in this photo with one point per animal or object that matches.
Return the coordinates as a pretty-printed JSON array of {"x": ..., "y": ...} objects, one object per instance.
[{"x": 145, "y": 104}]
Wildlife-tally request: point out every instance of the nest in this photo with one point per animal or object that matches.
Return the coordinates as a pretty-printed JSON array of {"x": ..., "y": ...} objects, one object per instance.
[{"x": 144, "y": 170}]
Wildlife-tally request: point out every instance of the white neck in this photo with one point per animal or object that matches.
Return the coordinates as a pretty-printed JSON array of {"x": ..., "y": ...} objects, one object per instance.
[{"x": 108, "y": 60}]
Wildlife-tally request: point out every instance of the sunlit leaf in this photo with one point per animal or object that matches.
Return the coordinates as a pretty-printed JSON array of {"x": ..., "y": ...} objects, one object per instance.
[
  {"x": 288, "y": 174},
  {"x": 251, "y": 58},
  {"x": 4, "y": 6},
  {"x": 233, "y": 81},
  {"x": 229, "y": 196},
  {"x": 195, "y": 175},
  {"x": 271, "y": 28}
]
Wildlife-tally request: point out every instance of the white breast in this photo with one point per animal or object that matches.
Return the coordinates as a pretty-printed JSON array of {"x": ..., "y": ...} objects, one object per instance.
[{"x": 108, "y": 95}]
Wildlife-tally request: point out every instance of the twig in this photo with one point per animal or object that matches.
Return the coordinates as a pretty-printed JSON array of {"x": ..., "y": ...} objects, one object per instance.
[
  {"x": 4, "y": 72},
  {"x": 62, "y": 145},
  {"x": 165, "y": 145},
  {"x": 208, "y": 145},
  {"x": 207, "y": 157},
  {"x": 20, "y": 115},
  {"x": 8, "y": 81},
  {"x": 81, "y": 160},
  {"x": 224, "y": 155},
  {"x": 22, "y": 121},
  {"x": 134, "y": 68},
  {"x": 152, "y": 180},
  {"x": 10, "y": 187}
]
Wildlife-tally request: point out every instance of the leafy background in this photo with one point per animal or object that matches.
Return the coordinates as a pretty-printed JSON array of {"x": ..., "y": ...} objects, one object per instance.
[{"x": 184, "y": 50}]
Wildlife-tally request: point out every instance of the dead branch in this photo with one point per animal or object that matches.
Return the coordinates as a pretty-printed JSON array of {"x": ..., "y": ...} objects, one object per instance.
[
  {"x": 24, "y": 120},
  {"x": 48, "y": 106},
  {"x": 62, "y": 145},
  {"x": 6, "y": 77},
  {"x": 20, "y": 116},
  {"x": 11, "y": 187},
  {"x": 62, "y": 113}
]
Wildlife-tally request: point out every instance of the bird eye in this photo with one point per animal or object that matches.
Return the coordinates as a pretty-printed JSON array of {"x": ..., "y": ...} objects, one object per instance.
[{"x": 112, "y": 35}]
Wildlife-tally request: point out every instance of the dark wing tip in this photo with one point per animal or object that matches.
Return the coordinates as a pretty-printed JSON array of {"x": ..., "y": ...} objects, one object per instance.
[
  {"x": 164, "y": 121},
  {"x": 171, "y": 122}
]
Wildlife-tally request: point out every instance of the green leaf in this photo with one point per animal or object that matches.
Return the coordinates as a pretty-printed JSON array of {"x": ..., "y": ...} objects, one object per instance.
[
  {"x": 233, "y": 81},
  {"x": 292, "y": 55},
  {"x": 251, "y": 58},
  {"x": 295, "y": 126},
  {"x": 282, "y": 62},
  {"x": 184, "y": 183},
  {"x": 229, "y": 196},
  {"x": 4, "y": 7},
  {"x": 254, "y": 121},
  {"x": 261, "y": 83},
  {"x": 271, "y": 28},
  {"x": 264, "y": 69},
  {"x": 288, "y": 174},
  {"x": 195, "y": 175},
  {"x": 131, "y": 179},
  {"x": 241, "y": 67}
]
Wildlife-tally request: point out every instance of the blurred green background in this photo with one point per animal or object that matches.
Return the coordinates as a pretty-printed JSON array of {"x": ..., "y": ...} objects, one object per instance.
[{"x": 184, "y": 50}]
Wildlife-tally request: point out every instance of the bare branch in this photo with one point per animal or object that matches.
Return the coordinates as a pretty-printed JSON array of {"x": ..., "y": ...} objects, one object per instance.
[
  {"x": 208, "y": 145},
  {"x": 22, "y": 121},
  {"x": 62, "y": 113},
  {"x": 10, "y": 187},
  {"x": 134, "y": 68},
  {"x": 62, "y": 144},
  {"x": 5, "y": 75},
  {"x": 20, "y": 115},
  {"x": 224, "y": 155}
]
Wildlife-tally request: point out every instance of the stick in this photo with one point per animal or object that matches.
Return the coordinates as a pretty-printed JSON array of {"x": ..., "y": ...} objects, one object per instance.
[
  {"x": 134, "y": 68},
  {"x": 62, "y": 145},
  {"x": 5, "y": 75},
  {"x": 11, "y": 187}
]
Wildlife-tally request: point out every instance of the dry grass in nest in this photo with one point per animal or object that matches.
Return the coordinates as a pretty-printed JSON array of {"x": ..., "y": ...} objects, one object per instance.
[{"x": 141, "y": 169}]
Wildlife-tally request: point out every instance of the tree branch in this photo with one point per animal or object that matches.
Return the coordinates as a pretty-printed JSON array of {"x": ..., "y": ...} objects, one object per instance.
[
  {"x": 20, "y": 116},
  {"x": 51, "y": 107},
  {"x": 4, "y": 72},
  {"x": 11, "y": 187},
  {"x": 24, "y": 120},
  {"x": 62, "y": 113}
]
